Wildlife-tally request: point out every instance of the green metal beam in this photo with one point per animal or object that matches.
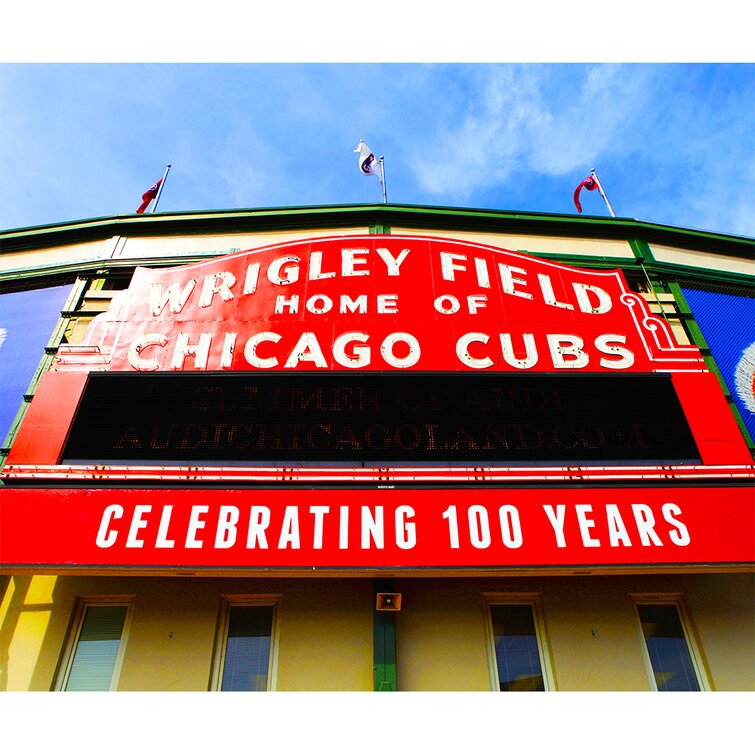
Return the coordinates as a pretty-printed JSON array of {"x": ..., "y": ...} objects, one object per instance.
[
  {"x": 65, "y": 271},
  {"x": 384, "y": 653},
  {"x": 416, "y": 216}
]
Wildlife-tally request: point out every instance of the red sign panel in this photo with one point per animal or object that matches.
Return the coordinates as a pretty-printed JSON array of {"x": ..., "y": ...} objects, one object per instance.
[
  {"x": 379, "y": 303},
  {"x": 389, "y": 529},
  {"x": 376, "y": 303}
]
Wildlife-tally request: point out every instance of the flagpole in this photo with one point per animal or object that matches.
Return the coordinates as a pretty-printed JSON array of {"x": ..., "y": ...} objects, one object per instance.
[
  {"x": 602, "y": 193},
  {"x": 160, "y": 190},
  {"x": 382, "y": 180}
]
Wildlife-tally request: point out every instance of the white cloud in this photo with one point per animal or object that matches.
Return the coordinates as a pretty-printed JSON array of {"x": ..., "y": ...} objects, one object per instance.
[
  {"x": 550, "y": 120},
  {"x": 673, "y": 144}
]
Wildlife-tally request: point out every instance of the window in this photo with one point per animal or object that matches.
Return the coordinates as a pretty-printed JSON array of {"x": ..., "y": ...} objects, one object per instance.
[
  {"x": 519, "y": 660},
  {"x": 96, "y": 648},
  {"x": 246, "y": 653},
  {"x": 670, "y": 653}
]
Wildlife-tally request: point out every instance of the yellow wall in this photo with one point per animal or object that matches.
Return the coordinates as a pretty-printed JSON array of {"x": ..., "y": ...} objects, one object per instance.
[
  {"x": 440, "y": 636},
  {"x": 591, "y": 625},
  {"x": 325, "y": 632},
  {"x": 50, "y": 257},
  {"x": 25, "y": 618},
  {"x": 143, "y": 248},
  {"x": 702, "y": 260},
  {"x": 534, "y": 244}
]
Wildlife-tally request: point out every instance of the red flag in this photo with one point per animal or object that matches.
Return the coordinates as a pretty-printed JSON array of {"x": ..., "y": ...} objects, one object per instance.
[
  {"x": 148, "y": 196},
  {"x": 590, "y": 184}
]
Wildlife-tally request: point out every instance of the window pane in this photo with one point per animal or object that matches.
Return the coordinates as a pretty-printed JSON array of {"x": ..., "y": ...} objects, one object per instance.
[
  {"x": 667, "y": 647},
  {"x": 516, "y": 649},
  {"x": 247, "y": 653},
  {"x": 97, "y": 648}
]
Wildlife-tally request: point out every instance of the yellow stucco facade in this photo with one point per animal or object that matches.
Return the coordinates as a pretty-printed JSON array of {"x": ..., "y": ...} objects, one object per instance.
[{"x": 323, "y": 630}]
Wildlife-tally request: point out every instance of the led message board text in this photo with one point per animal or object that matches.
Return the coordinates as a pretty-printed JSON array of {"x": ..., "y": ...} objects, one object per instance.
[{"x": 379, "y": 417}]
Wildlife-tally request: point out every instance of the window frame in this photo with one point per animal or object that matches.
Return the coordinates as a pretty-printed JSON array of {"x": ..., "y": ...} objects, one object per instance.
[
  {"x": 543, "y": 646},
  {"x": 228, "y": 602},
  {"x": 74, "y": 632},
  {"x": 699, "y": 666}
]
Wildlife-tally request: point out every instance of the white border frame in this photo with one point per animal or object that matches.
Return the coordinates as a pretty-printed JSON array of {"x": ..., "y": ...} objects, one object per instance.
[
  {"x": 72, "y": 641},
  {"x": 531, "y": 599},
  {"x": 699, "y": 665},
  {"x": 221, "y": 637}
]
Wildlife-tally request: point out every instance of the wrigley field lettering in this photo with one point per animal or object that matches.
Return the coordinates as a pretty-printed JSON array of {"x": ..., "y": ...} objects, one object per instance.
[{"x": 380, "y": 303}]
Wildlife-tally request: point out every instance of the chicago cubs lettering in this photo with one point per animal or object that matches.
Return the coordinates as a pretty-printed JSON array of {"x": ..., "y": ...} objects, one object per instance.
[{"x": 258, "y": 285}]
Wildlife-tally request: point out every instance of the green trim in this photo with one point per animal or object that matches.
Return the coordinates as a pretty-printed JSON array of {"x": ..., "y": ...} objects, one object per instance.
[
  {"x": 642, "y": 251},
  {"x": 653, "y": 269},
  {"x": 697, "y": 337},
  {"x": 692, "y": 327},
  {"x": 644, "y": 255},
  {"x": 384, "y": 647},
  {"x": 92, "y": 268},
  {"x": 376, "y": 219},
  {"x": 387, "y": 215},
  {"x": 674, "y": 270},
  {"x": 583, "y": 261}
]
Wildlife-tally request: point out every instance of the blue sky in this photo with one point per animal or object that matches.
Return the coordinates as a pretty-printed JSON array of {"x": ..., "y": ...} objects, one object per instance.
[{"x": 672, "y": 142}]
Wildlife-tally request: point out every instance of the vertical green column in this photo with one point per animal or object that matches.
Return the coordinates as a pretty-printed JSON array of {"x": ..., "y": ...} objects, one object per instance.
[
  {"x": 642, "y": 250},
  {"x": 644, "y": 256},
  {"x": 384, "y": 652}
]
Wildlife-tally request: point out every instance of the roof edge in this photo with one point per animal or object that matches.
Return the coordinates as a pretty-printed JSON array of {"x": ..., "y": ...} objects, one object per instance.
[{"x": 452, "y": 218}]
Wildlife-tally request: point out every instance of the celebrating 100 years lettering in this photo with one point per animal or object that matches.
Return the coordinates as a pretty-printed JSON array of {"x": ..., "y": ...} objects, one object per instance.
[{"x": 306, "y": 527}]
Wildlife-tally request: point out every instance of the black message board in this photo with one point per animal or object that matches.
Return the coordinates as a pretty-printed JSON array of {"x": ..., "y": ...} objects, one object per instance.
[{"x": 379, "y": 418}]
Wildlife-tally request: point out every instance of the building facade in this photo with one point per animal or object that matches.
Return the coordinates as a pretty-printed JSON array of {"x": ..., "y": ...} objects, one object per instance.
[{"x": 385, "y": 447}]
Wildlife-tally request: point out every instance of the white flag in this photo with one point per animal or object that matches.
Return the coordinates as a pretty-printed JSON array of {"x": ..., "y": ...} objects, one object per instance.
[{"x": 367, "y": 161}]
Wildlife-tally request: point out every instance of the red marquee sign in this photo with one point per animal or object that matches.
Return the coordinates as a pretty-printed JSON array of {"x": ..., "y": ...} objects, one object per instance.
[
  {"x": 379, "y": 303},
  {"x": 387, "y": 529},
  {"x": 374, "y": 303},
  {"x": 382, "y": 304}
]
